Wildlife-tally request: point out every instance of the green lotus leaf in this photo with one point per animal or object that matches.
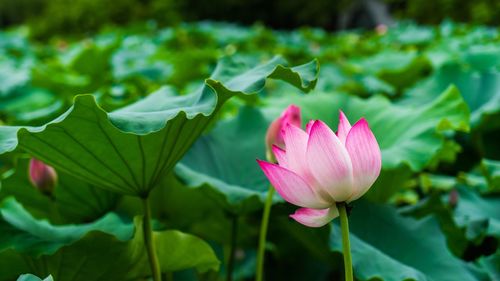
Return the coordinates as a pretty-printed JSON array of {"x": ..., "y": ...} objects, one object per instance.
[
  {"x": 479, "y": 89},
  {"x": 467, "y": 219},
  {"x": 75, "y": 252},
  {"x": 130, "y": 149},
  {"x": 479, "y": 215},
  {"x": 390, "y": 247},
  {"x": 222, "y": 163},
  {"x": 385, "y": 245},
  {"x": 23, "y": 233},
  {"x": 492, "y": 265}
]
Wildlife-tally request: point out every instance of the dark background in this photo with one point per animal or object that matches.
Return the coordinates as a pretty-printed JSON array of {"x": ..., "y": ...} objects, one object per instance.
[{"x": 47, "y": 18}]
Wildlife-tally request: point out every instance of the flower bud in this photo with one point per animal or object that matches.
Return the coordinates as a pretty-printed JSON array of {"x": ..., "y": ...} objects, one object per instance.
[
  {"x": 42, "y": 176},
  {"x": 291, "y": 115}
]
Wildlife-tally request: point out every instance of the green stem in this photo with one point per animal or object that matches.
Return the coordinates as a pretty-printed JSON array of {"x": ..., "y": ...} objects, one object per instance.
[
  {"x": 148, "y": 241},
  {"x": 346, "y": 247},
  {"x": 232, "y": 249},
  {"x": 263, "y": 233}
]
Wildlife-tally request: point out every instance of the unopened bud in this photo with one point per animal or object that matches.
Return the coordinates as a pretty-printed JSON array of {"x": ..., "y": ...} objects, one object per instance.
[
  {"x": 42, "y": 176},
  {"x": 291, "y": 115}
]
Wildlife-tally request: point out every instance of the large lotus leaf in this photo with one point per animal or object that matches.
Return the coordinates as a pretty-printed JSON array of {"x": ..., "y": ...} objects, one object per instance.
[
  {"x": 442, "y": 211},
  {"x": 468, "y": 220},
  {"x": 409, "y": 136},
  {"x": 176, "y": 251},
  {"x": 492, "y": 265},
  {"x": 388, "y": 246},
  {"x": 223, "y": 163},
  {"x": 129, "y": 150},
  {"x": 23, "y": 233},
  {"x": 465, "y": 215},
  {"x": 478, "y": 214},
  {"x": 72, "y": 200},
  {"x": 75, "y": 252},
  {"x": 480, "y": 90}
]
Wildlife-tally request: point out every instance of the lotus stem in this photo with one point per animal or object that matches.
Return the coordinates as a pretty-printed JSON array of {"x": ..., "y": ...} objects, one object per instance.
[
  {"x": 263, "y": 234},
  {"x": 149, "y": 242},
  {"x": 346, "y": 246}
]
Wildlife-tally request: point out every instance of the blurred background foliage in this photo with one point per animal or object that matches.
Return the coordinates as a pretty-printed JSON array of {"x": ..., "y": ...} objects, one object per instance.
[{"x": 50, "y": 17}]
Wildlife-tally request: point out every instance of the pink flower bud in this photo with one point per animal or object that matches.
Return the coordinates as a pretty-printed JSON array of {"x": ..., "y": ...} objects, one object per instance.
[
  {"x": 319, "y": 168},
  {"x": 274, "y": 135},
  {"x": 42, "y": 176}
]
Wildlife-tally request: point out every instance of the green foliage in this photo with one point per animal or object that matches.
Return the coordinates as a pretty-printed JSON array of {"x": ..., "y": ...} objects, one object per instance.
[
  {"x": 40, "y": 247},
  {"x": 180, "y": 114},
  {"x": 391, "y": 247},
  {"x": 230, "y": 176}
]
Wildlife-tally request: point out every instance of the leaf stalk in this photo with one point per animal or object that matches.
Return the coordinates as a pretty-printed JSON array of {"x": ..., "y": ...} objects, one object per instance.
[
  {"x": 149, "y": 241},
  {"x": 263, "y": 234}
]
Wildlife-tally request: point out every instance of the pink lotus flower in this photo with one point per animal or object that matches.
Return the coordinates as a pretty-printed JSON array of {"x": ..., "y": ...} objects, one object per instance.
[
  {"x": 42, "y": 176},
  {"x": 291, "y": 115},
  {"x": 319, "y": 168}
]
